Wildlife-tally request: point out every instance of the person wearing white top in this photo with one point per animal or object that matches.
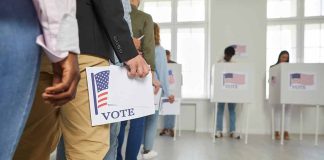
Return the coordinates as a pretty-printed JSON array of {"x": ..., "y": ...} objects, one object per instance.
[
  {"x": 282, "y": 58},
  {"x": 229, "y": 52}
]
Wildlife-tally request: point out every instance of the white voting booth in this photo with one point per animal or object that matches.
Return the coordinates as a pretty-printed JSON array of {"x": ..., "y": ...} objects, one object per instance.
[
  {"x": 175, "y": 83},
  {"x": 297, "y": 84},
  {"x": 233, "y": 83}
]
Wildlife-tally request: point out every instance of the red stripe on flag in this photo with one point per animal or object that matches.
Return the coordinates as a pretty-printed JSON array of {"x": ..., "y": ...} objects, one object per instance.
[
  {"x": 102, "y": 94},
  {"x": 102, "y": 105},
  {"x": 102, "y": 99}
]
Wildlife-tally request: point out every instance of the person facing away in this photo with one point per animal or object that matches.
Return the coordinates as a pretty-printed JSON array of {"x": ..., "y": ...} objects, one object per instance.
[
  {"x": 168, "y": 55},
  {"x": 102, "y": 29},
  {"x": 282, "y": 58},
  {"x": 162, "y": 76},
  {"x": 229, "y": 52},
  {"x": 142, "y": 25},
  {"x": 168, "y": 120}
]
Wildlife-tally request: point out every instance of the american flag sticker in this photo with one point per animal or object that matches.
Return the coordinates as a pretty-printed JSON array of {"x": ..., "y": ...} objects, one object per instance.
[
  {"x": 233, "y": 78},
  {"x": 302, "y": 81},
  {"x": 171, "y": 77},
  {"x": 100, "y": 87}
]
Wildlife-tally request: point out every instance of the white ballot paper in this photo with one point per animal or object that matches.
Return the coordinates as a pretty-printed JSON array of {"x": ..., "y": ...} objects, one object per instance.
[
  {"x": 170, "y": 108},
  {"x": 157, "y": 99},
  {"x": 115, "y": 97}
]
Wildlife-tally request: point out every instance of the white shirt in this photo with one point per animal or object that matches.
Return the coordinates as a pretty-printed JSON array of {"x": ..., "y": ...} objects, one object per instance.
[{"x": 60, "y": 28}]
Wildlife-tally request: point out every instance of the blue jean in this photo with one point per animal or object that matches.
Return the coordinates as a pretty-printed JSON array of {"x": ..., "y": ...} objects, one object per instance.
[
  {"x": 150, "y": 130},
  {"x": 169, "y": 121},
  {"x": 19, "y": 70},
  {"x": 220, "y": 115},
  {"x": 134, "y": 140},
  {"x": 114, "y": 131},
  {"x": 112, "y": 152}
]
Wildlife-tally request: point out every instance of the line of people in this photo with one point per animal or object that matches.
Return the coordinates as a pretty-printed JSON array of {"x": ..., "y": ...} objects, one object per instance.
[{"x": 89, "y": 33}]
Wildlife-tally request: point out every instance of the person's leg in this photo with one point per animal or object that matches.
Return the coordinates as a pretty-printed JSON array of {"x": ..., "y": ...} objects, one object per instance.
[
  {"x": 287, "y": 117},
  {"x": 81, "y": 139},
  {"x": 277, "y": 120},
  {"x": 231, "y": 110},
  {"x": 134, "y": 139},
  {"x": 114, "y": 131},
  {"x": 120, "y": 137},
  {"x": 169, "y": 121},
  {"x": 150, "y": 131},
  {"x": 287, "y": 121},
  {"x": 220, "y": 115},
  {"x": 277, "y": 116},
  {"x": 41, "y": 133}
]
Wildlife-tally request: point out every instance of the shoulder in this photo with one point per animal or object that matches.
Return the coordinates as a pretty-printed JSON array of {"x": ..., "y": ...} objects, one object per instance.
[
  {"x": 145, "y": 16},
  {"x": 159, "y": 49}
]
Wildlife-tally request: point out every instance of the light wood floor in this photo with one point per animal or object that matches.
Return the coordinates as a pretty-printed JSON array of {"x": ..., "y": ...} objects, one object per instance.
[{"x": 199, "y": 146}]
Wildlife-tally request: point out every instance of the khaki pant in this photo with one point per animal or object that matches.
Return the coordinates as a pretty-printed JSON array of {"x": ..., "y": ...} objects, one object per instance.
[{"x": 46, "y": 123}]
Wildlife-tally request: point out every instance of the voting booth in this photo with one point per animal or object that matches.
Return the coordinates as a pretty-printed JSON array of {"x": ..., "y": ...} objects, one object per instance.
[
  {"x": 297, "y": 84},
  {"x": 233, "y": 83},
  {"x": 175, "y": 83}
]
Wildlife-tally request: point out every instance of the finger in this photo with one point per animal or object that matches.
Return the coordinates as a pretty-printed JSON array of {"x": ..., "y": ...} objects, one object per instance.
[
  {"x": 69, "y": 94},
  {"x": 132, "y": 71},
  {"x": 140, "y": 71},
  {"x": 62, "y": 86}
]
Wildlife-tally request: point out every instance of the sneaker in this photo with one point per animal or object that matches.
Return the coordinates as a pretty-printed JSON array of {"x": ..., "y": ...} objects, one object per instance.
[
  {"x": 277, "y": 135},
  {"x": 150, "y": 155},
  {"x": 235, "y": 135},
  {"x": 163, "y": 132},
  {"x": 286, "y": 135},
  {"x": 219, "y": 134},
  {"x": 171, "y": 132}
]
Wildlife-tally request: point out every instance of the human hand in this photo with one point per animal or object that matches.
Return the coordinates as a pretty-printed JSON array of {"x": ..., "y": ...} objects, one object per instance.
[
  {"x": 156, "y": 84},
  {"x": 137, "y": 67},
  {"x": 171, "y": 99},
  {"x": 65, "y": 81}
]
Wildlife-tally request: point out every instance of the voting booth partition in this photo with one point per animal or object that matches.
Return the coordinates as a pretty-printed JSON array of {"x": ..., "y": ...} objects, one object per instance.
[
  {"x": 296, "y": 84},
  {"x": 233, "y": 83},
  {"x": 175, "y": 83}
]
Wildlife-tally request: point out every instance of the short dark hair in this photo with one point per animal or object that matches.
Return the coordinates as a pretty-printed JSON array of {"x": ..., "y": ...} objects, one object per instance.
[
  {"x": 229, "y": 53},
  {"x": 167, "y": 52}
]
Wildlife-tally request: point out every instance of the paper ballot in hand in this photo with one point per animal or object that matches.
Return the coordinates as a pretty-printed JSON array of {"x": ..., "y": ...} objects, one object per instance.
[
  {"x": 157, "y": 99},
  {"x": 114, "y": 97},
  {"x": 170, "y": 108}
]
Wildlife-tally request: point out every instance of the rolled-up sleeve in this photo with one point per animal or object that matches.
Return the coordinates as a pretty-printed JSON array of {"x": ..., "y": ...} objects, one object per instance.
[{"x": 60, "y": 28}]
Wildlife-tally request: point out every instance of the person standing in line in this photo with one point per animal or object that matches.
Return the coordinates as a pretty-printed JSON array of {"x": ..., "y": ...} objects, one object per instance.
[
  {"x": 229, "y": 52},
  {"x": 282, "y": 58},
  {"x": 161, "y": 75},
  {"x": 21, "y": 25},
  {"x": 169, "y": 120},
  {"x": 142, "y": 26},
  {"x": 109, "y": 32},
  {"x": 114, "y": 127}
]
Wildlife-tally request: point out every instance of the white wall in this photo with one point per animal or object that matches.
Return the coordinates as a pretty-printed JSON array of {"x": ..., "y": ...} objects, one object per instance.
[{"x": 243, "y": 22}]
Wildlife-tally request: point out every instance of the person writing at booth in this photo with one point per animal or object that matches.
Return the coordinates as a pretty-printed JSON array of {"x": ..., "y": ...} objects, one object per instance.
[
  {"x": 283, "y": 58},
  {"x": 229, "y": 52}
]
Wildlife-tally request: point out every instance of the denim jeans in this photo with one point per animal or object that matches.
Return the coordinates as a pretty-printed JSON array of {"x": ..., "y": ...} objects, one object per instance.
[
  {"x": 114, "y": 131},
  {"x": 169, "y": 121},
  {"x": 150, "y": 130},
  {"x": 19, "y": 70},
  {"x": 134, "y": 139},
  {"x": 220, "y": 115},
  {"x": 112, "y": 153}
]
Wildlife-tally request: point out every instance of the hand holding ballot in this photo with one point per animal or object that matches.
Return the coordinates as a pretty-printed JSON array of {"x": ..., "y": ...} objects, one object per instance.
[
  {"x": 137, "y": 67},
  {"x": 115, "y": 97}
]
